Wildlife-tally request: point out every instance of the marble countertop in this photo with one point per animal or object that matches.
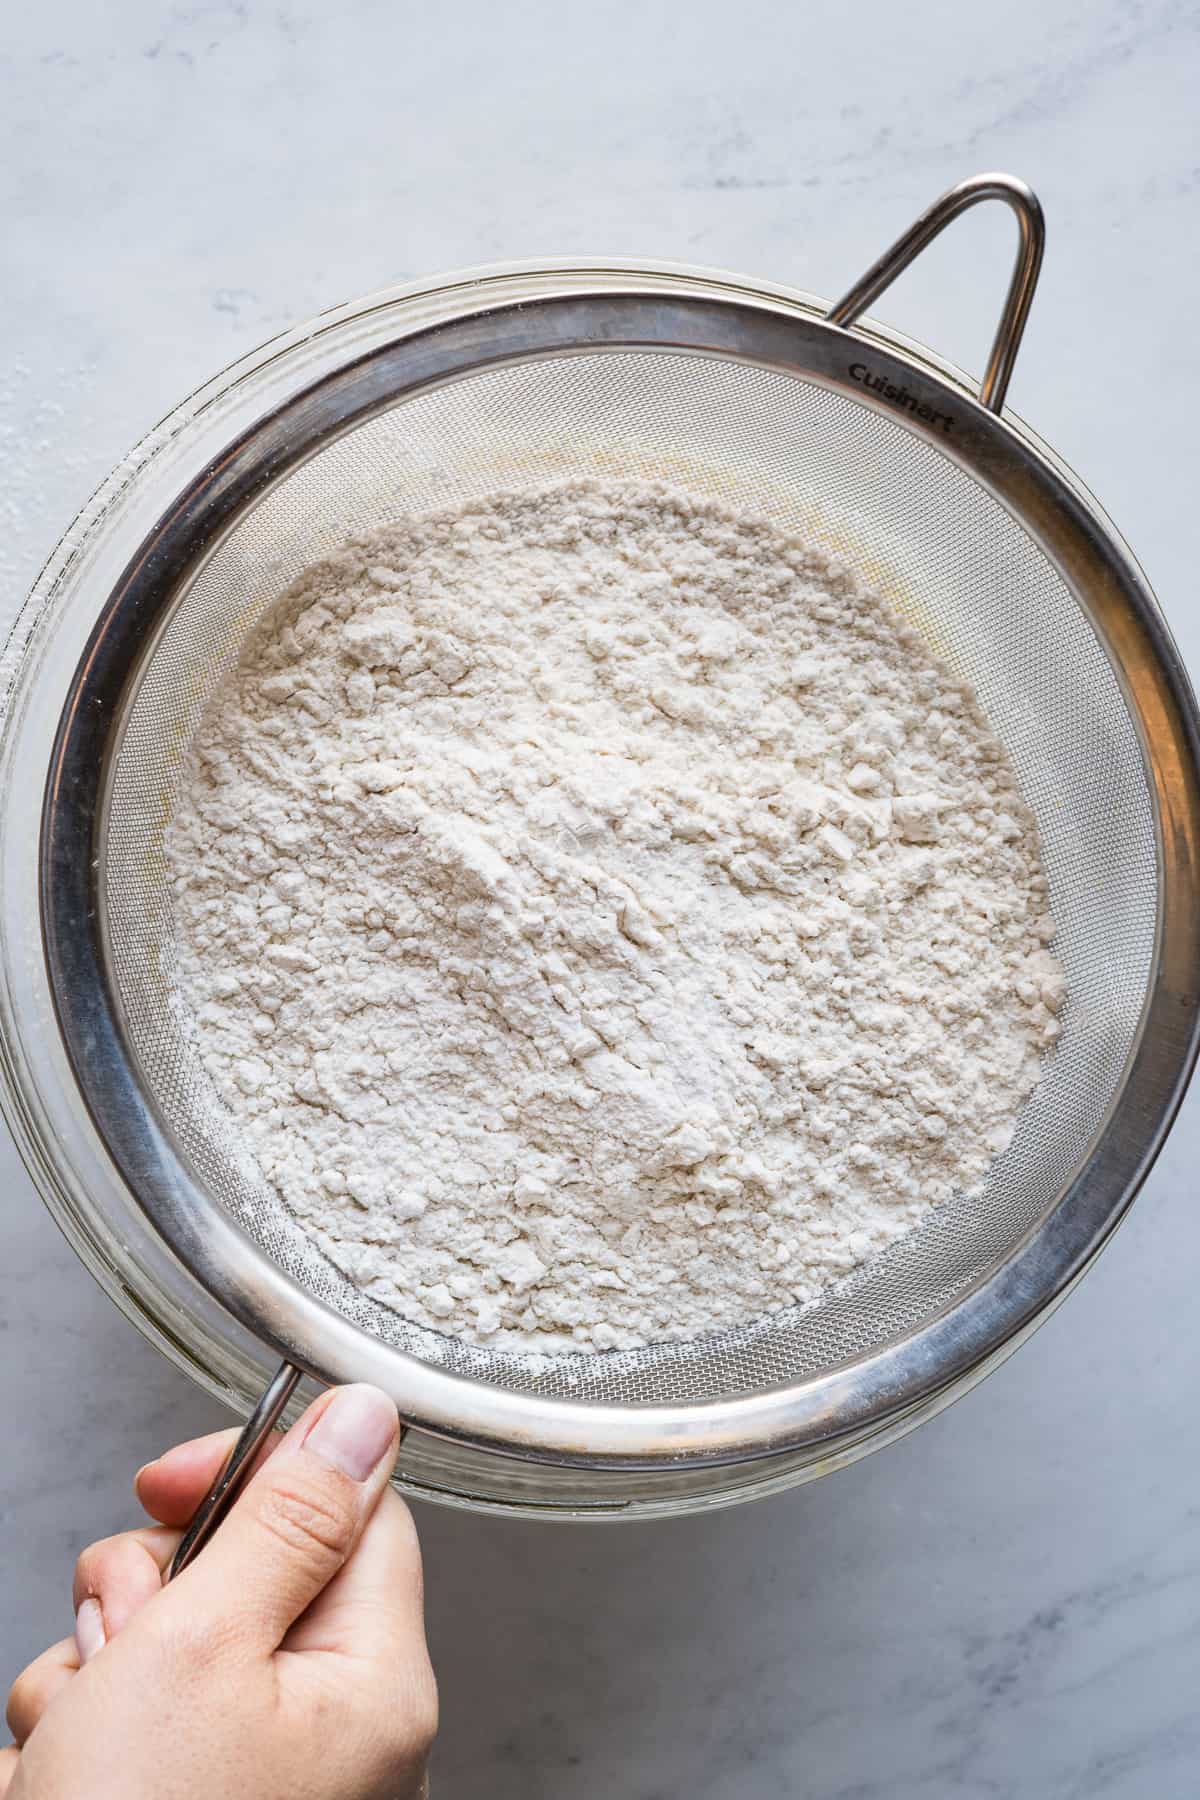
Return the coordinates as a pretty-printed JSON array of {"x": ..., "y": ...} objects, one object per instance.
[{"x": 1006, "y": 1603}]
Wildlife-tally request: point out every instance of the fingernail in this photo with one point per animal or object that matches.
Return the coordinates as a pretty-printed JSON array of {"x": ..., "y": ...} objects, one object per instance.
[
  {"x": 89, "y": 1630},
  {"x": 355, "y": 1431}
]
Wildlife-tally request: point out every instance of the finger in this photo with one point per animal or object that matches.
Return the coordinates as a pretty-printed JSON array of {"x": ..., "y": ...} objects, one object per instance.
[
  {"x": 172, "y": 1488},
  {"x": 36, "y": 1686},
  {"x": 375, "y": 1604},
  {"x": 10, "y": 1762},
  {"x": 298, "y": 1520},
  {"x": 114, "y": 1578}
]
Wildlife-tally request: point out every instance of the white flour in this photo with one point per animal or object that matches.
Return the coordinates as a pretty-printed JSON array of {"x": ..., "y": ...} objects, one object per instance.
[{"x": 604, "y": 918}]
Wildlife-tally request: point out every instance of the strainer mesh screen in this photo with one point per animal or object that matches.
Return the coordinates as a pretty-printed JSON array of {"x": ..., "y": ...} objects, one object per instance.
[{"x": 919, "y": 530}]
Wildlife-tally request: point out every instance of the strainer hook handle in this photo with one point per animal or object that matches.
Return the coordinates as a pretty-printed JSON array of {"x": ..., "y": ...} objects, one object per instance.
[
  {"x": 1032, "y": 227},
  {"x": 230, "y": 1482}
]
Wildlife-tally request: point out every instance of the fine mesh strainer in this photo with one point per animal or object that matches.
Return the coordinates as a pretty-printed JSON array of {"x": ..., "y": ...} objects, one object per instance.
[{"x": 760, "y": 398}]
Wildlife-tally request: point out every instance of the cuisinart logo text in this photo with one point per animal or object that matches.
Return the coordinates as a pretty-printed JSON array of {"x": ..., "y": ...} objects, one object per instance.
[{"x": 899, "y": 396}]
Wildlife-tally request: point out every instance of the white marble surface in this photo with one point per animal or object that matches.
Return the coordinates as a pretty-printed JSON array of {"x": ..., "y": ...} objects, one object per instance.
[{"x": 1007, "y": 1603}]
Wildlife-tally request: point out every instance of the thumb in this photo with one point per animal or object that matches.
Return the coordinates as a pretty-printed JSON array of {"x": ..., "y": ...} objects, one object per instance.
[{"x": 298, "y": 1520}]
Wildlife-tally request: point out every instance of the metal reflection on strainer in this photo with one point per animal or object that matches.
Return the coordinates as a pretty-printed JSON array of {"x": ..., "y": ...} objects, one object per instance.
[{"x": 842, "y": 434}]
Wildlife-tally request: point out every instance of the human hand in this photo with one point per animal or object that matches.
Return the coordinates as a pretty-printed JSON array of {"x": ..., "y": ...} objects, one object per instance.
[{"x": 287, "y": 1662}]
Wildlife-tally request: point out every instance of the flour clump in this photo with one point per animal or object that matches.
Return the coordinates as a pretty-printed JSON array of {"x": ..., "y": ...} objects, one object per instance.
[{"x": 604, "y": 918}]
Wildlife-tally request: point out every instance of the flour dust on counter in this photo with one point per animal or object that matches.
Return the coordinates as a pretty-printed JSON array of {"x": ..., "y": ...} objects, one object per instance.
[{"x": 605, "y": 918}]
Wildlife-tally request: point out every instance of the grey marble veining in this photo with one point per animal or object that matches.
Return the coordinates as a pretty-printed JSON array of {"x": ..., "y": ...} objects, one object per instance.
[{"x": 1008, "y": 1602}]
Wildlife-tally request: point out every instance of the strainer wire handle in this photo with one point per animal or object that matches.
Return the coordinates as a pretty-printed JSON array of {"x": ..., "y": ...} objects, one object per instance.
[
  {"x": 1032, "y": 226},
  {"x": 229, "y": 1483}
]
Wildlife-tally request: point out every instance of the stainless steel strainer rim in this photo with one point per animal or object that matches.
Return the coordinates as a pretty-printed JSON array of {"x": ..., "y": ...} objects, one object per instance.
[{"x": 814, "y": 1411}]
